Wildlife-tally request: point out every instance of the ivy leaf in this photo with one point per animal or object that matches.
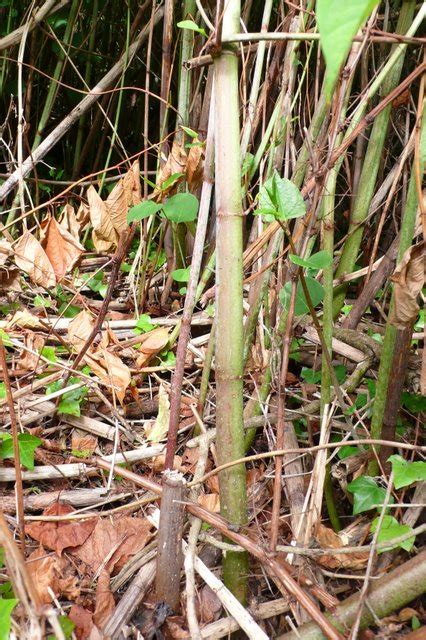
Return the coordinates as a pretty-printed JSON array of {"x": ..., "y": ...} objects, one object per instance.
[
  {"x": 392, "y": 529},
  {"x": 144, "y": 324},
  {"x": 2, "y": 390},
  {"x": 6, "y": 608},
  {"x": 366, "y": 494},
  {"x": 182, "y": 207},
  {"x": 338, "y": 23},
  {"x": 406, "y": 473},
  {"x": 181, "y": 275},
  {"x": 192, "y": 26},
  {"x": 316, "y": 261},
  {"x": 316, "y": 292},
  {"x": 143, "y": 210},
  {"x": 286, "y": 197},
  {"x": 27, "y": 445}
]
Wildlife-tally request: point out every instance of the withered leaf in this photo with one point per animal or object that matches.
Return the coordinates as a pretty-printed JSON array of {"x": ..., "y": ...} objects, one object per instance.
[
  {"x": 80, "y": 329},
  {"x": 68, "y": 220},
  {"x": 210, "y": 605},
  {"x": 328, "y": 539},
  {"x": 209, "y": 501},
  {"x": 62, "y": 249},
  {"x": 104, "y": 235},
  {"x": 83, "y": 620},
  {"x": 48, "y": 570},
  {"x": 176, "y": 163},
  {"x": 408, "y": 279},
  {"x": 111, "y": 370},
  {"x": 151, "y": 344},
  {"x": 160, "y": 427},
  {"x": 31, "y": 258},
  {"x": 118, "y": 207},
  {"x": 63, "y": 534},
  {"x": 126, "y": 536},
  {"x": 104, "y": 600}
]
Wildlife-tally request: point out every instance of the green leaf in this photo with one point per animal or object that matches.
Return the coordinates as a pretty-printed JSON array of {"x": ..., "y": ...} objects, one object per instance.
[
  {"x": 316, "y": 292},
  {"x": 286, "y": 197},
  {"x": 366, "y": 494},
  {"x": 413, "y": 402},
  {"x": 338, "y": 23},
  {"x": 192, "y": 26},
  {"x": 69, "y": 407},
  {"x": 27, "y": 445},
  {"x": 390, "y": 529},
  {"x": 143, "y": 210},
  {"x": 49, "y": 353},
  {"x": 6, "y": 608},
  {"x": 144, "y": 324},
  {"x": 182, "y": 207},
  {"x": 181, "y": 275},
  {"x": 2, "y": 390},
  {"x": 171, "y": 180},
  {"x": 316, "y": 261},
  {"x": 347, "y": 452},
  {"x": 405, "y": 473},
  {"x": 310, "y": 376},
  {"x": 189, "y": 132},
  {"x": 415, "y": 623},
  {"x": 39, "y": 301},
  {"x": 5, "y": 338}
]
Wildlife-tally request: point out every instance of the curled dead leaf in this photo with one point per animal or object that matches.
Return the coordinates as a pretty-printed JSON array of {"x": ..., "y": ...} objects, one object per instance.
[
  {"x": 30, "y": 358},
  {"x": 104, "y": 600},
  {"x": 25, "y": 320},
  {"x": 122, "y": 537},
  {"x": 49, "y": 571},
  {"x": 117, "y": 206},
  {"x": 151, "y": 344},
  {"x": 5, "y": 251},
  {"x": 68, "y": 221},
  {"x": 62, "y": 249},
  {"x": 111, "y": 370},
  {"x": 328, "y": 539},
  {"x": 80, "y": 329},
  {"x": 194, "y": 165},
  {"x": 210, "y": 501},
  {"x": 83, "y": 620},
  {"x": 408, "y": 279},
  {"x": 32, "y": 258},
  {"x": 63, "y": 534},
  {"x": 160, "y": 427},
  {"x": 175, "y": 163},
  {"x": 104, "y": 235}
]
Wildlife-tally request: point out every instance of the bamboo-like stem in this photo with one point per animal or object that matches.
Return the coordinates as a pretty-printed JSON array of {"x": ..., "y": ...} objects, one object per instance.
[
  {"x": 87, "y": 79},
  {"x": 229, "y": 298},
  {"x": 385, "y": 367},
  {"x": 16, "y": 453},
  {"x": 59, "y": 68},
  {"x": 191, "y": 296},
  {"x": 389, "y": 593},
  {"x": 370, "y": 167}
]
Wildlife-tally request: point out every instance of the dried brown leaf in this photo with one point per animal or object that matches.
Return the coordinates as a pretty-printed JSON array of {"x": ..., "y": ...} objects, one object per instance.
[
  {"x": 62, "y": 249},
  {"x": 5, "y": 251},
  {"x": 104, "y": 600},
  {"x": 33, "y": 342},
  {"x": 48, "y": 570},
  {"x": 328, "y": 539},
  {"x": 111, "y": 370},
  {"x": 68, "y": 220},
  {"x": 80, "y": 329},
  {"x": 175, "y": 163},
  {"x": 124, "y": 537},
  {"x": 209, "y": 501},
  {"x": 104, "y": 235},
  {"x": 210, "y": 605},
  {"x": 25, "y": 320},
  {"x": 118, "y": 207},
  {"x": 132, "y": 185},
  {"x": 83, "y": 442},
  {"x": 83, "y": 620},
  {"x": 31, "y": 258},
  {"x": 9, "y": 280},
  {"x": 63, "y": 534},
  {"x": 194, "y": 165},
  {"x": 408, "y": 279}
]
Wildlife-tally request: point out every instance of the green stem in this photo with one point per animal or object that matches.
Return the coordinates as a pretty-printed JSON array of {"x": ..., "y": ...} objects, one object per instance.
[
  {"x": 385, "y": 367},
  {"x": 59, "y": 68},
  {"x": 229, "y": 297},
  {"x": 370, "y": 168}
]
